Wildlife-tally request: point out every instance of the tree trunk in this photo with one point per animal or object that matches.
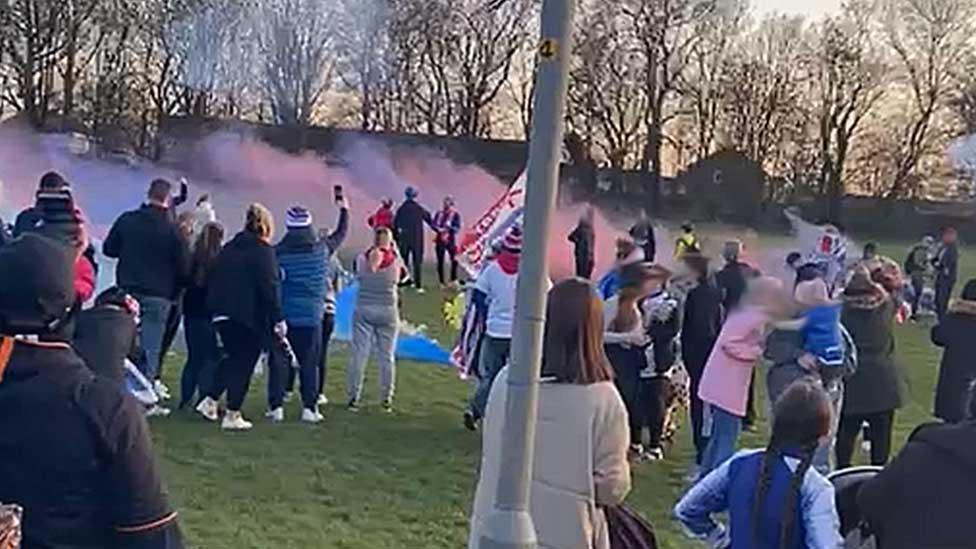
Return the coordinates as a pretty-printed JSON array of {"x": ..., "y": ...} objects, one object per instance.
[{"x": 652, "y": 159}]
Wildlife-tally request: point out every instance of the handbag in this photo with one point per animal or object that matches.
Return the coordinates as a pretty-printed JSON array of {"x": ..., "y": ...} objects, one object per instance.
[{"x": 629, "y": 530}]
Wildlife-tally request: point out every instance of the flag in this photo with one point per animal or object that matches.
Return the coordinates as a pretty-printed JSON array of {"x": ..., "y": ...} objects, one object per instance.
[{"x": 477, "y": 240}]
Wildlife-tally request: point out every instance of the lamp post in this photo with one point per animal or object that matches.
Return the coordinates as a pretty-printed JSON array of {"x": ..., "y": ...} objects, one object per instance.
[{"x": 509, "y": 526}]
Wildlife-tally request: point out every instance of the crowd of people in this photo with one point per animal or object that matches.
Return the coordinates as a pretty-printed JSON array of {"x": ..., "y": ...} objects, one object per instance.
[{"x": 620, "y": 355}]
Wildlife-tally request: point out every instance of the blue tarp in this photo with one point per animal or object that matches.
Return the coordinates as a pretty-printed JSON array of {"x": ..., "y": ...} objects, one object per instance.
[{"x": 416, "y": 347}]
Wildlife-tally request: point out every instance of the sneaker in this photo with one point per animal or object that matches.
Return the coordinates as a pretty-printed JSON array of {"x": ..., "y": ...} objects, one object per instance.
[
  {"x": 289, "y": 395},
  {"x": 654, "y": 454},
  {"x": 162, "y": 391},
  {"x": 208, "y": 409},
  {"x": 275, "y": 416},
  {"x": 323, "y": 400},
  {"x": 157, "y": 411},
  {"x": 311, "y": 416},
  {"x": 421, "y": 291},
  {"x": 387, "y": 406},
  {"x": 353, "y": 406},
  {"x": 470, "y": 422},
  {"x": 234, "y": 421}
]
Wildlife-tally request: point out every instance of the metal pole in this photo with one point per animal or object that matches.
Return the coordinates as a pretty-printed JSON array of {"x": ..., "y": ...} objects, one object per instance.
[{"x": 510, "y": 525}]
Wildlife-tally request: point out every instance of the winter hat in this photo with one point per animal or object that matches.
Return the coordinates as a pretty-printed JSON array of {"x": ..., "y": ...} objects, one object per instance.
[
  {"x": 811, "y": 293},
  {"x": 411, "y": 193},
  {"x": 298, "y": 218},
  {"x": 512, "y": 241},
  {"x": 36, "y": 285},
  {"x": 52, "y": 181}
]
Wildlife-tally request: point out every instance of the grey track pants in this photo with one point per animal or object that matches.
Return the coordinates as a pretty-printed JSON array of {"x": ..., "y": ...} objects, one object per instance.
[{"x": 374, "y": 328}]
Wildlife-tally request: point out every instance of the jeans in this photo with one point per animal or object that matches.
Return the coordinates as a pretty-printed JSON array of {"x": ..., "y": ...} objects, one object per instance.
[
  {"x": 328, "y": 326},
  {"x": 242, "y": 348},
  {"x": 306, "y": 341},
  {"x": 374, "y": 330},
  {"x": 202, "y": 357},
  {"x": 918, "y": 286},
  {"x": 494, "y": 356},
  {"x": 880, "y": 426},
  {"x": 448, "y": 250},
  {"x": 722, "y": 430},
  {"x": 169, "y": 334},
  {"x": 154, "y": 312}
]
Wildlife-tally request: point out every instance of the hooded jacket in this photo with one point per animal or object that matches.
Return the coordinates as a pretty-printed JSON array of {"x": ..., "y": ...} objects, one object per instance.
[
  {"x": 154, "y": 259},
  {"x": 82, "y": 467},
  {"x": 923, "y": 498},
  {"x": 957, "y": 335},
  {"x": 104, "y": 337},
  {"x": 244, "y": 285},
  {"x": 878, "y": 385}
]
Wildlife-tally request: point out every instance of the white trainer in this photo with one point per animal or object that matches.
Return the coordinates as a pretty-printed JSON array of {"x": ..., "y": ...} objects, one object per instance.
[
  {"x": 276, "y": 416},
  {"x": 234, "y": 421},
  {"x": 208, "y": 409},
  {"x": 157, "y": 411},
  {"x": 311, "y": 416},
  {"x": 323, "y": 400},
  {"x": 162, "y": 391}
]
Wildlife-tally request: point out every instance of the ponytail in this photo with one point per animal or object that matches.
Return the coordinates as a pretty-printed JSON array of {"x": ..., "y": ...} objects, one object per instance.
[
  {"x": 763, "y": 482},
  {"x": 796, "y": 483}
]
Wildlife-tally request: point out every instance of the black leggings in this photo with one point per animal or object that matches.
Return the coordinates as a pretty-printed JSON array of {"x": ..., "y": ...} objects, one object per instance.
[
  {"x": 627, "y": 363},
  {"x": 879, "y": 430},
  {"x": 242, "y": 347}
]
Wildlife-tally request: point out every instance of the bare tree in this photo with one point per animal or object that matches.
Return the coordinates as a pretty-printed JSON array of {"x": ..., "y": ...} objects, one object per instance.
[{"x": 930, "y": 39}]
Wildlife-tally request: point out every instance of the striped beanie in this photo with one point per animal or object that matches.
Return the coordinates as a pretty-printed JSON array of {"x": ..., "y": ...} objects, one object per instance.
[
  {"x": 298, "y": 217},
  {"x": 512, "y": 241}
]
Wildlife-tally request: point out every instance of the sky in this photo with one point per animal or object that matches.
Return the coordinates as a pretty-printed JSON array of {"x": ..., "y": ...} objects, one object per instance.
[{"x": 814, "y": 8}]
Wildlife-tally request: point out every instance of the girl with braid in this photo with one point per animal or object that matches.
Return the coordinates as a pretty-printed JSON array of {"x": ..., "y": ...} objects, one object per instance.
[{"x": 774, "y": 499}]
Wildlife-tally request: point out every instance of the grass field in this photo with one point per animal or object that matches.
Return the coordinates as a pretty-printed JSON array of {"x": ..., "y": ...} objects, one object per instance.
[{"x": 371, "y": 480}]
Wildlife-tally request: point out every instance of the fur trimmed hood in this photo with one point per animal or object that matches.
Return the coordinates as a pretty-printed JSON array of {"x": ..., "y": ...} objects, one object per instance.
[
  {"x": 862, "y": 293},
  {"x": 963, "y": 307}
]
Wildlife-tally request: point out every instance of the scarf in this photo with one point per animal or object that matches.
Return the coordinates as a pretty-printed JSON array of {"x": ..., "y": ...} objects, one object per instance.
[{"x": 508, "y": 261}]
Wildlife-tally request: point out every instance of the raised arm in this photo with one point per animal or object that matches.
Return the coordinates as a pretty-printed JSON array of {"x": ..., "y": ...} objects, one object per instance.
[{"x": 335, "y": 239}]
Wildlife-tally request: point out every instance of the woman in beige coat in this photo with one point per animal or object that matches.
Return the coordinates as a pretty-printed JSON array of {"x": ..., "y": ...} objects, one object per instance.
[{"x": 581, "y": 438}]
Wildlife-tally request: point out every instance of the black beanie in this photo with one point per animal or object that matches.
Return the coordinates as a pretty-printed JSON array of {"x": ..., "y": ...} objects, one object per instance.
[{"x": 36, "y": 285}]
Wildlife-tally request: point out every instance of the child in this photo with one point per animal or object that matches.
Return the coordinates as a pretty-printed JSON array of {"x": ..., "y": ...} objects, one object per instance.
[
  {"x": 728, "y": 372},
  {"x": 819, "y": 325},
  {"x": 662, "y": 322},
  {"x": 773, "y": 497}
]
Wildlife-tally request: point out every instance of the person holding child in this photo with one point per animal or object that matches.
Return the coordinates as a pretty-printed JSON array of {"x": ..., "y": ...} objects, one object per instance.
[
  {"x": 725, "y": 382},
  {"x": 773, "y": 497}
]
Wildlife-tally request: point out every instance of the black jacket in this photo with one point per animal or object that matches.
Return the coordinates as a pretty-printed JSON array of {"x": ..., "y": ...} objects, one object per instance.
[
  {"x": 104, "y": 337},
  {"x": 582, "y": 238},
  {"x": 878, "y": 385},
  {"x": 82, "y": 467},
  {"x": 244, "y": 284},
  {"x": 701, "y": 324},
  {"x": 957, "y": 334},
  {"x": 643, "y": 233},
  {"x": 947, "y": 263},
  {"x": 409, "y": 223},
  {"x": 27, "y": 220},
  {"x": 154, "y": 259},
  {"x": 923, "y": 499},
  {"x": 733, "y": 279}
]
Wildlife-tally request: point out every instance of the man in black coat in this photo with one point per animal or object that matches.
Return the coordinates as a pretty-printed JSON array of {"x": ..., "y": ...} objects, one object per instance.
[
  {"x": 154, "y": 264},
  {"x": 947, "y": 269},
  {"x": 923, "y": 498},
  {"x": 584, "y": 247},
  {"x": 31, "y": 217},
  {"x": 409, "y": 231},
  {"x": 82, "y": 467}
]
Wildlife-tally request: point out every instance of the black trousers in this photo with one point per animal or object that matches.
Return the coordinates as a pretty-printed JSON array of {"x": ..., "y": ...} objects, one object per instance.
[
  {"x": 943, "y": 293},
  {"x": 696, "y": 367},
  {"x": 413, "y": 256},
  {"x": 627, "y": 364},
  {"x": 306, "y": 341},
  {"x": 446, "y": 250},
  {"x": 584, "y": 267},
  {"x": 750, "y": 418},
  {"x": 652, "y": 401},
  {"x": 880, "y": 426},
  {"x": 242, "y": 347},
  {"x": 328, "y": 326}
]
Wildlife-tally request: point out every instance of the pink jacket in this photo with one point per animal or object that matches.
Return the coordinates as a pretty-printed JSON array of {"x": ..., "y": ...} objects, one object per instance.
[{"x": 725, "y": 382}]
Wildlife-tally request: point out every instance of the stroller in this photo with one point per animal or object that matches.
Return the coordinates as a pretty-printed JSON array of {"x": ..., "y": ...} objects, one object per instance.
[{"x": 853, "y": 526}]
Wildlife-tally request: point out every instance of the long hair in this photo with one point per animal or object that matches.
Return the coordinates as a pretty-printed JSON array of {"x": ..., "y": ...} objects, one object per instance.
[
  {"x": 573, "y": 347},
  {"x": 259, "y": 221},
  {"x": 800, "y": 418},
  {"x": 633, "y": 288},
  {"x": 205, "y": 251}
]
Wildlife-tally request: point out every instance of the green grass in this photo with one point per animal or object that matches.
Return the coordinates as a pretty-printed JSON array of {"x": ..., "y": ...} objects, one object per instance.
[{"x": 370, "y": 480}]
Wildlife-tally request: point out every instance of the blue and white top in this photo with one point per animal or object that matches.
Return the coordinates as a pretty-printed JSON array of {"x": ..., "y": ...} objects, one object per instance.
[{"x": 732, "y": 488}]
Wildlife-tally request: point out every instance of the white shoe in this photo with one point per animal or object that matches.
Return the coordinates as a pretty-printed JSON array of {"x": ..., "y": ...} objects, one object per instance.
[
  {"x": 311, "y": 416},
  {"x": 208, "y": 409},
  {"x": 234, "y": 421},
  {"x": 276, "y": 416},
  {"x": 421, "y": 291},
  {"x": 289, "y": 396},
  {"x": 157, "y": 411},
  {"x": 323, "y": 400},
  {"x": 162, "y": 391}
]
